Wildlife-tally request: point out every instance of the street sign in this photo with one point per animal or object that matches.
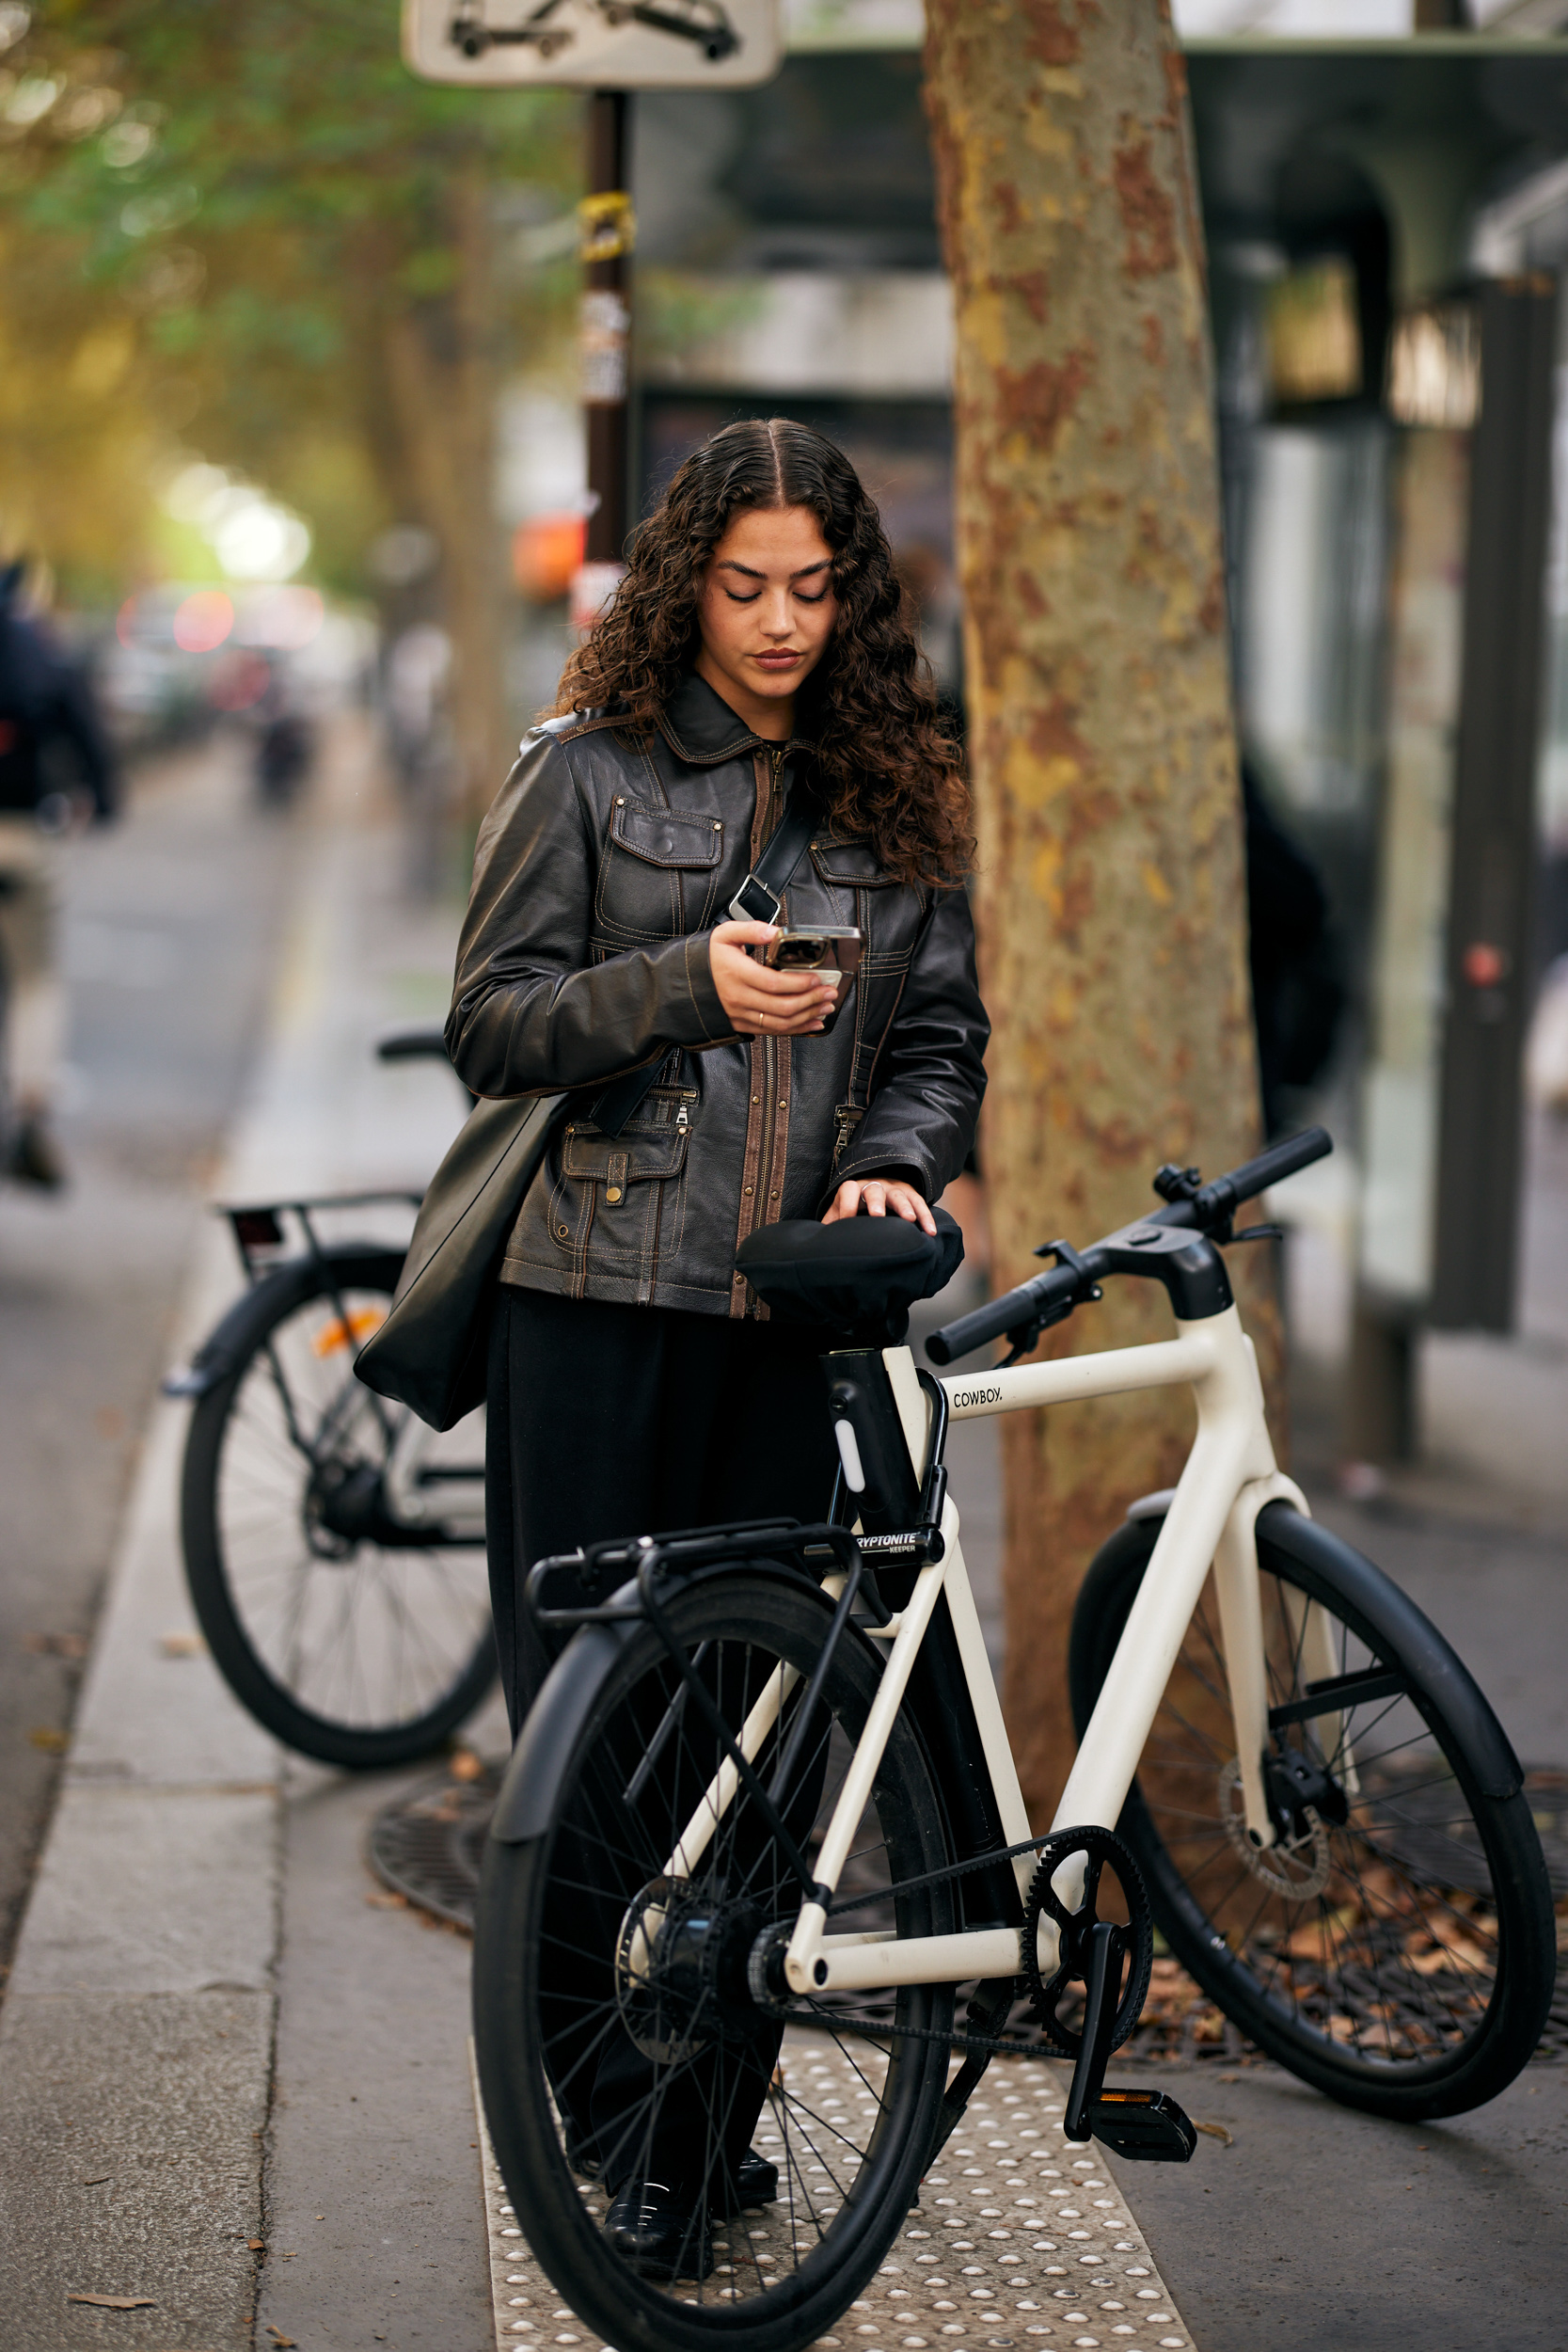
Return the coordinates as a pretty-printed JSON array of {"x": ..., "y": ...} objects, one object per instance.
[{"x": 603, "y": 44}]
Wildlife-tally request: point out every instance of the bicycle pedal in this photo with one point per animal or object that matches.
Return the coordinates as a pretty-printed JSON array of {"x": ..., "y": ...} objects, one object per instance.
[{"x": 1145, "y": 2127}]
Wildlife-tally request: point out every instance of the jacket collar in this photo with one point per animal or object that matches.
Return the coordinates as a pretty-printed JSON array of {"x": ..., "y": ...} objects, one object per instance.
[{"x": 701, "y": 728}]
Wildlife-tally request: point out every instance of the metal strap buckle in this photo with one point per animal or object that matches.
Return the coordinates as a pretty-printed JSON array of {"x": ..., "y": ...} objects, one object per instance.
[{"x": 743, "y": 910}]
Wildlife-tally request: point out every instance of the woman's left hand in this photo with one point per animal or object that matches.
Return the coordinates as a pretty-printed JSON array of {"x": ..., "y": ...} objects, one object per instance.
[{"x": 880, "y": 1197}]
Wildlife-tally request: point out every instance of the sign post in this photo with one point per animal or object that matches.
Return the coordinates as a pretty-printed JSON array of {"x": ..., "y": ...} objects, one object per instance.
[
  {"x": 604, "y": 335},
  {"x": 609, "y": 47}
]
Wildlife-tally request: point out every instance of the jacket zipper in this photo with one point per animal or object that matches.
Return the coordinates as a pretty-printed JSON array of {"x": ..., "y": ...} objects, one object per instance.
[{"x": 770, "y": 1045}]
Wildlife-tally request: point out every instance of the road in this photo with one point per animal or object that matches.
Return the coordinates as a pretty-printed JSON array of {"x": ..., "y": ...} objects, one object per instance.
[{"x": 172, "y": 923}]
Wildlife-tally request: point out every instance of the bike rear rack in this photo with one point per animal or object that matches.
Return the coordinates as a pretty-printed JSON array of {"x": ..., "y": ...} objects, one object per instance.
[{"x": 257, "y": 1231}]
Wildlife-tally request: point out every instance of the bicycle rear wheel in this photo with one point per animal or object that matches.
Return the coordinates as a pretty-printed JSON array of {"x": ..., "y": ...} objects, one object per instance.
[
  {"x": 1397, "y": 1946},
  {"x": 618, "y": 2024},
  {"x": 352, "y": 1636}
]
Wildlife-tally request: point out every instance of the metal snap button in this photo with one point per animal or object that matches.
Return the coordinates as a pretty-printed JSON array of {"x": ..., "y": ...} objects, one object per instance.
[{"x": 612, "y": 1192}]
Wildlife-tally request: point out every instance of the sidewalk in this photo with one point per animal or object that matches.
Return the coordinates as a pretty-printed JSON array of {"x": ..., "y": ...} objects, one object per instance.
[{"x": 208, "y": 2028}]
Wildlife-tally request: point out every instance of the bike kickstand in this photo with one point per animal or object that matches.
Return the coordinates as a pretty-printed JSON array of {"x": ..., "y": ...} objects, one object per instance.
[{"x": 986, "y": 2014}]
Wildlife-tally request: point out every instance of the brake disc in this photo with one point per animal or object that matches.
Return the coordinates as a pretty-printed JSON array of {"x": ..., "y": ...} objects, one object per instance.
[{"x": 1297, "y": 1868}]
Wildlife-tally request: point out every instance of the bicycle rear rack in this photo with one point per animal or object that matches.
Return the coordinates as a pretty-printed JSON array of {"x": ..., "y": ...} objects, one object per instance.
[{"x": 257, "y": 1229}]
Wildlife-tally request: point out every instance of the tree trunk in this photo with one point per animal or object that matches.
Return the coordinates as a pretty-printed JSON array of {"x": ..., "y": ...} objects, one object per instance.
[
  {"x": 440, "y": 383},
  {"x": 1110, "y": 891}
]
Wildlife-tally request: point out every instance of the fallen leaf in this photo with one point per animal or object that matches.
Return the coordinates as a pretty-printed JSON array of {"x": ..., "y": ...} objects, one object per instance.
[
  {"x": 182, "y": 1645},
  {"x": 465, "y": 1765},
  {"x": 280, "y": 2337},
  {"x": 117, "y": 2302},
  {"x": 56, "y": 1644},
  {"x": 256, "y": 2245},
  {"x": 387, "y": 1902},
  {"x": 44, "y": 1736},
  {"x": 98, "y": 2180},
  {"x": 1215, "y": 2131}
]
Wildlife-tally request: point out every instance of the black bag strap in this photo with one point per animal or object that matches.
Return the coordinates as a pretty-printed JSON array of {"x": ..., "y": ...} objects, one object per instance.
[{"x": 759, "y": 899}]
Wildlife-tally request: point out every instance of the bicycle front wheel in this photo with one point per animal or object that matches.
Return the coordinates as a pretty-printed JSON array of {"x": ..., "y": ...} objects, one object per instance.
[
  {"x": 352, "y": 1634},
  {"x": 621, "y": 2027},
  {"x": 1396, "y": 1947}
]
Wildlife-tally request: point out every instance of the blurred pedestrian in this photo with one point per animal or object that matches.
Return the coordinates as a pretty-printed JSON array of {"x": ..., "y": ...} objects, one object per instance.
[
  {"x": 57, "y": 770},
  {"x": 1298, "y": 989}
]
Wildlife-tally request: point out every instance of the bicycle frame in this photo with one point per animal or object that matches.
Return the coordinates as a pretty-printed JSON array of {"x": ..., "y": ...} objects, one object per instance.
[{"x": 1231, "y": 1473}]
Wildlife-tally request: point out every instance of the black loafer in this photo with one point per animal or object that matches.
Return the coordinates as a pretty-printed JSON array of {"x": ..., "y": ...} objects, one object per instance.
[
  {"x": 660, "y": 2232},
  {"x": 755, "y": 2183}
]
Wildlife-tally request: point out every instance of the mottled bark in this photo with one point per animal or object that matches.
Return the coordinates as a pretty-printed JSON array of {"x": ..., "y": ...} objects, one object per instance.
[{"x": 1110, "y": 892}]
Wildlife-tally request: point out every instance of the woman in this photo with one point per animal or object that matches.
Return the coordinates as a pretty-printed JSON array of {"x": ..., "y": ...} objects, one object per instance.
[{"x": 756, "y": 649}]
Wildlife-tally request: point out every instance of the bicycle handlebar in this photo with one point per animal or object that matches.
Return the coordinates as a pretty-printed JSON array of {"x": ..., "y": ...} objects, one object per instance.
[
  {"x": 1215, "y": 1204},
  {"x": 1029, "y": 1303},
  {"x": 1207, "y": 1210},
  {"x": 412, "y": 1046}
]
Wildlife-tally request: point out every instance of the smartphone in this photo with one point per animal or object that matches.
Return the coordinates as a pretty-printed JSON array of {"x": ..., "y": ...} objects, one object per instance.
[
  {"x": 826, "y": 947},
  {"x": 815, "y": 947}
]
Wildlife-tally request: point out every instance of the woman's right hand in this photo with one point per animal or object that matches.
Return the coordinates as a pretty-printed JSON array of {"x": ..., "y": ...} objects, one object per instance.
[{"x": 761, "y": 1002}]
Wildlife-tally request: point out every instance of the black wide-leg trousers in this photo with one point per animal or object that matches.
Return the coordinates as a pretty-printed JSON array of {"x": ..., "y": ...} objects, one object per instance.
[{"x": 602, "y": 1421}]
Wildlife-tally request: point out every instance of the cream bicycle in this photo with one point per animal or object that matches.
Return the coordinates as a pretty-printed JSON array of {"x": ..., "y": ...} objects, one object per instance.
[{"x": 765, "y": 1809}]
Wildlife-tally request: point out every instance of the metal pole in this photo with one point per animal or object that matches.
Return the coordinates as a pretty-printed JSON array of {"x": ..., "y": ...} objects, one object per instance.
[{"x": 610, "y": 231}]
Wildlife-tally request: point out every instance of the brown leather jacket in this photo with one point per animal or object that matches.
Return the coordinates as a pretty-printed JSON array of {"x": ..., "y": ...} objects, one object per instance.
[{"x": 599, "y": 873}]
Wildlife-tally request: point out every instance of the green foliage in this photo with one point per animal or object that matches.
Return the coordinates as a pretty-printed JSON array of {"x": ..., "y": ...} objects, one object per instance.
[{"x": 240, "y": 196}]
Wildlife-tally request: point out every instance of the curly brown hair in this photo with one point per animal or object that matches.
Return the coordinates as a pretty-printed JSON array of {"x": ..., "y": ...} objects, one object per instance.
[{"x": 885, "y": 770}]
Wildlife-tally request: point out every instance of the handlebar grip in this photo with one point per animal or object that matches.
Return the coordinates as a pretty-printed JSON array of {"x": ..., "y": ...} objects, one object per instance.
[
  {"x": 412, "y": 1046},
  {"x": 1273, "y": 1165},
  {"x": 1002, "y": 1314}
]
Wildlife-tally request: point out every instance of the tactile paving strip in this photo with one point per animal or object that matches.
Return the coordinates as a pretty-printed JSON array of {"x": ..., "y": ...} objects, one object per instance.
[{"x": 1020, "y": 2238}]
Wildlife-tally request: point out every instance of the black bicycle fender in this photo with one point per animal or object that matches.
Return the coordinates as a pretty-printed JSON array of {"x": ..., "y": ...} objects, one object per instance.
[
  {"x": 231, "y": 1338},
  {"x": 548, "y": 1737},
  {"x": 1440, "y": 1673},
  {"x": 550, "y": 1731}
]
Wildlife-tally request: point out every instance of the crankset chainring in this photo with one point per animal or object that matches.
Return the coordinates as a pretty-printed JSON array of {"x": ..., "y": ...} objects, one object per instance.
[
  {"x": 1074, "y": 1931},
  {"x": 1296, "y": 1868}
]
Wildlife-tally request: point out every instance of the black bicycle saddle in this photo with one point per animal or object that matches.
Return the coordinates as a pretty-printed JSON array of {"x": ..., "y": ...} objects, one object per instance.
[{"x": 859, "y": 1276}]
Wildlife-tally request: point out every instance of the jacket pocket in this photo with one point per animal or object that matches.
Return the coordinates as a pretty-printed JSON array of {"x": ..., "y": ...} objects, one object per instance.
[
  {"x": 850, "y": 865},
  {"x": 665, "y": 837},
  {"x": 636, "y": 1157},
  {"x": 659, "y": 872},
  {"x": 611, "y": 1187}
]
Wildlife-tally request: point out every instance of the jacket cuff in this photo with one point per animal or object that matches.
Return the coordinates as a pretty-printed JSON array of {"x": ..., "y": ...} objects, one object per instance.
[{"x": 717, "y": 1025}]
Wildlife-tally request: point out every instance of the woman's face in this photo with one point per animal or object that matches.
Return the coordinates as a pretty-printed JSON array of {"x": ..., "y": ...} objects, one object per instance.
[{"x": 765, "y": 613}]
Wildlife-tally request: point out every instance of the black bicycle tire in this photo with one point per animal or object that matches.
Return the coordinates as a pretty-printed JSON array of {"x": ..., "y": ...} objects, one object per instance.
[
  {"x": 544, "y": 2195},
  {"x": 348, "y": 1747},
  {"x": 1481, "y": 2066}
]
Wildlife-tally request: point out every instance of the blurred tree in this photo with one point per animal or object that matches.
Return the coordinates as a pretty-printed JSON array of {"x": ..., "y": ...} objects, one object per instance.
[
  {"x": 299, "y": 237},
  {"x": 1110, "y": 898}
]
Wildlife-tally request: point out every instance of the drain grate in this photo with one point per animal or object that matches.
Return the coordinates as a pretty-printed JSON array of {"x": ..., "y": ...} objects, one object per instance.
[{"x": 428, "y": 1847}]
